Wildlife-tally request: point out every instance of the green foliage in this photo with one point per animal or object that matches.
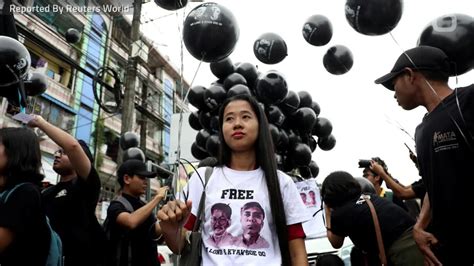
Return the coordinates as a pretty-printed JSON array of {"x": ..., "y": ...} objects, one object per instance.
[{"x": 99, "y": 140}]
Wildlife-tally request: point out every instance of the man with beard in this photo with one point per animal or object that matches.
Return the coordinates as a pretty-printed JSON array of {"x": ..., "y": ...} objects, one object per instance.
[
  {"x": 221, "y": 218},
  {"x": 251, "y": 217},
  {"x": 71, "y": 203}
]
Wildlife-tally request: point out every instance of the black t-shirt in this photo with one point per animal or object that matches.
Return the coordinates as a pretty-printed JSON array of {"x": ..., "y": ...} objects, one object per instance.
[
  {"x": 355, "y": 221},
  {"x": 389, "y": 195},
  {"x": 143, "y": 244},
  {"x": 70, "y": 207},
  {"x": 446, "y": 166},
  {"x": 419, "y": 188},
  {"x": 23, "y": 214}
]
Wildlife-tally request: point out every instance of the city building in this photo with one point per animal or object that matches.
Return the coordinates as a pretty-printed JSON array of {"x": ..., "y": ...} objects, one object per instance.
[{"x": 69, "y": 101}]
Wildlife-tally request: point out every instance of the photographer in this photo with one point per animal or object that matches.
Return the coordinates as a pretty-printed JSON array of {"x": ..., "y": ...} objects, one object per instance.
[{"x": 376, "y": 171}]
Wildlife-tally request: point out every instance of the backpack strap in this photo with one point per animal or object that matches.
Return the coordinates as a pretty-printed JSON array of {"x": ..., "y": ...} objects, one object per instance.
[
  {"x": 128, "y": 206},
  {"x": 6, "y": 194},
  {"x": 200, "y": 213}
]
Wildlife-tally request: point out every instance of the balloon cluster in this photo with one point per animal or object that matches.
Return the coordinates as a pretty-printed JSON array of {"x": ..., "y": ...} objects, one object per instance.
[
  {"x": 16, "y": 81},
  {"x": 129, "y": 144},
  {"x": 294, "y": 121}
]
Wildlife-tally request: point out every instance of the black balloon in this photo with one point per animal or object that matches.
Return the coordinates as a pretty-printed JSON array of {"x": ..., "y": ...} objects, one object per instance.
[
  {"x": 196, "y": 97},
  {"x": 249, "y": 72},
  {"x": 338, "y": 60},
  {"x": 171, "y": 4},
  {"x": 197, "y": 152},
  {"x": 205, "y": 120},
  {"x": 373, "y": 17},
  {"x": 290, "y": 104},
  {"x": 271, "y": 87},
  {"x": 223, "y": 68},
  {"x": 133, "y": 153},
  {"x": 316, "y": 108},
  {"x": 72, "y": 35},
  {"x": 305, "y": 99},
  {"x": 129, "y": 140},
  {"x": 366, "y": 186},
  {"x": 36, "y": 85},
  {"x": 454, "y": 34},
  {"x": 322, "y": 128},
  {"x": 214, "y": 96},
  {"x": 238, "y": 89},
  {"x": 194, "y": 121},
  {"x": 214, "y": 124},
  {"x": 327, "y": 143},
  {"x": 234, "y": 79},
  {"x": 275, "y": 115},
  {"x": 301, "y": 154},
  {"x": 212, "y": 145},
  {"x": 283, "y": 142},
  {"x": 201, "y": 138},
  {"x": 270, "y": 48},
  {"x": 317, "y": 30},
  {"x": 210, "y": 32},
  {"x": 288, "y": 164},
  {"x": 305, "y": 172},
  {"x": 15, "y": 61},
  {"x": 275, "y": 133},
  {"x": 305, "y": 119},
  {"x": 312, "y": 143},
  {"x": 293, "y": 138},
  {"x": 313, "y": 166}
]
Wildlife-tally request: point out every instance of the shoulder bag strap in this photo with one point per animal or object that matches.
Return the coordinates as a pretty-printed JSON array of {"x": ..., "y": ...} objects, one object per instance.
[
  {"x": 200, "y": 213},
  {"x": 128, "y": 206},
  {"x": 383, "y": 258}
]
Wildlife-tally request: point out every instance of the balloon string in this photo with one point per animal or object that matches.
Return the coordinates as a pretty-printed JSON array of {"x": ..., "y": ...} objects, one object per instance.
[
  {"x": 176, "y": 182},
  {"x": 437, "y": 96}
]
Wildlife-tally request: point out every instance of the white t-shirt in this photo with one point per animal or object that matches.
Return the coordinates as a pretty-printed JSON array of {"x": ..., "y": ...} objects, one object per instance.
[
  {"x": 309, "y": 192},
  {"x": 250, "y": 236}
]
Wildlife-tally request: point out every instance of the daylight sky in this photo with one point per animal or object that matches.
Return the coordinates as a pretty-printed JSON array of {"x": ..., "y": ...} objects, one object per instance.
[{"x": 365, "y": 116}]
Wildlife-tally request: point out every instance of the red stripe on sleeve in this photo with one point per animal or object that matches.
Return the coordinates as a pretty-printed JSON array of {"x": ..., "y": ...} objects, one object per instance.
[
  {"x": 295, "y": 231},
  {"x": 190, "y": 222}
]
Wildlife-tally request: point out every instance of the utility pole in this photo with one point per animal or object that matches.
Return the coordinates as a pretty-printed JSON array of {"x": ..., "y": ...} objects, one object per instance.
[
  {"x": 130, "y": 76},
  {"x": 143, "y": 129}
]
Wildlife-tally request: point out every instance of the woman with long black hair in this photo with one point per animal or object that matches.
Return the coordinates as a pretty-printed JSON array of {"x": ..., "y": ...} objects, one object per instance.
[
  {"x": 267, "y": 210},
  {"x": 24, "y": 234}
]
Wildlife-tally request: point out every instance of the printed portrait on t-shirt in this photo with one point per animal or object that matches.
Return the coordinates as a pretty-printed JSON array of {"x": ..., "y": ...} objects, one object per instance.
[
  {"x": 312, "y": 198},
  {"x": 220, "y": 220},
  {"x": 252, "y": 218},
  {"x": 304, "y": 198}
]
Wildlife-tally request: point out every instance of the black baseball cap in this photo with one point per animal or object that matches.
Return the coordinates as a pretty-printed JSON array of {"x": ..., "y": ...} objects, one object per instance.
[
  {"x": 418, "y": 58},
  {"x": 133, "y": 167}
]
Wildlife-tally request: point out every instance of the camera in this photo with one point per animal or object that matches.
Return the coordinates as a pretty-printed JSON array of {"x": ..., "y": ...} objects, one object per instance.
[{"x": 364, "y": 163}]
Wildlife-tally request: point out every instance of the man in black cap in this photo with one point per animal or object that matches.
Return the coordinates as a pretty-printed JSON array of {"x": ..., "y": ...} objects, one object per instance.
[
  {"x": 71, "y": 203},
  {"x": 134, "y": 230},
  {"x": 444, "y": 144}
]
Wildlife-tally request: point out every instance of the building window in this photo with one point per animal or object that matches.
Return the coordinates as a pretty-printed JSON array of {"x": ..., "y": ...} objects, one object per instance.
[
  {"x": 84, "y": 124},
  {"x": 87, "y": 96},
  {"x": 51, "y": 112},
  {"x": 168, "y": 88},
  {"x": 166, "y": 142}
]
